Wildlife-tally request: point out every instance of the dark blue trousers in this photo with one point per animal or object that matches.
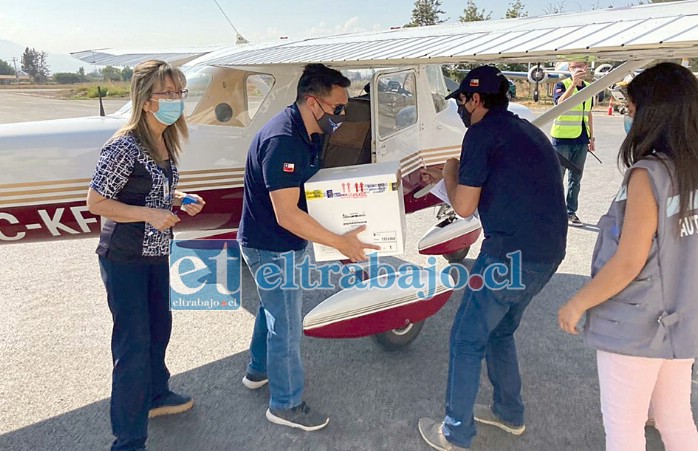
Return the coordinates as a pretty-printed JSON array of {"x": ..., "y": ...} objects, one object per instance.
[
  {"x": 577, "y": 154},
  {"x": 484, "y": 327},
  {"x": 138, "y": 296}
]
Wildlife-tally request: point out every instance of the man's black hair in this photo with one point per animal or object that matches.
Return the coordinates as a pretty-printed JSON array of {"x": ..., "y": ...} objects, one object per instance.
[
  {"x": 318, "y": 80},
  {"x": 498, "y": 100}
]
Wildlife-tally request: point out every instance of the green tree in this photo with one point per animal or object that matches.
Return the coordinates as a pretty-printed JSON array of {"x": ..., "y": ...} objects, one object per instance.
[
  {"x": 111, "y": 73},
  {"x": 126, "y": 73},
  {"x": 34, "y": 64},
  {"x": 426, "y": 12},
  {"x": 6, "y": 68},
  {"x": 514, "y": 67},
  {"x": 516, "y": 9},
  {"x": 472, "y": 14},
  {"x": 66, "y": 78}
]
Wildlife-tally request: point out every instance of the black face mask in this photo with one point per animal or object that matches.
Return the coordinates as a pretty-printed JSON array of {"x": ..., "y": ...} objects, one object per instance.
[
  {"x": 464, "y": 115},
  {"x": 329, "y": 123}
]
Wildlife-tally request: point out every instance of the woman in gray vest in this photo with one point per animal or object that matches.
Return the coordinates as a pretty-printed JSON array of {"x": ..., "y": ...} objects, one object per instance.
[{"x": 641, "y": 304}]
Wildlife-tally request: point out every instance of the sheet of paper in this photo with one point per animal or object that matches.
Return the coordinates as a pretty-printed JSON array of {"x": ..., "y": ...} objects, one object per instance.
[{"x": 439, "y": 190}]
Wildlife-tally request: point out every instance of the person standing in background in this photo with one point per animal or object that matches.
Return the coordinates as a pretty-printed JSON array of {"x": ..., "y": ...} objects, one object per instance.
[{"x": 573, "y": 135}]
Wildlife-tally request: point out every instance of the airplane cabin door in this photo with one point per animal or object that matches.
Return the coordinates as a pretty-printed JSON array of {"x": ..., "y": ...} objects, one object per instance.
[{"x": 394, "y": 111}]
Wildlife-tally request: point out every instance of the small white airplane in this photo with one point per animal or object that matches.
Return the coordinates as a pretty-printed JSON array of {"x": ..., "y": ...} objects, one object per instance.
[
  {"x": 560, "y": 71},
  {"x": 538, "y": 74},
  {"x": 235, "y": 90}
]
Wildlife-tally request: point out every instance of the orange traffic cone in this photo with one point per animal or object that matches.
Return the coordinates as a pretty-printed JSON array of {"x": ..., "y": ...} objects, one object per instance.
[{"x": 610, "y": 107}]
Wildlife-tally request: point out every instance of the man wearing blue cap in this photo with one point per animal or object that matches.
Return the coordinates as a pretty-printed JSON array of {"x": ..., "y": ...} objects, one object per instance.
[{"x": 510, "y": 173}]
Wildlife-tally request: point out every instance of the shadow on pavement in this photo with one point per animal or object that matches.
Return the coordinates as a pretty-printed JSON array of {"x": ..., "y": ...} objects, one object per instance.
[{"x": 374, "y": 398}]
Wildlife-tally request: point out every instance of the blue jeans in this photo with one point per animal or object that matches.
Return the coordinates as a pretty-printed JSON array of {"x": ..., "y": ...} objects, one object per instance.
[
  {"x": 577, "y": 154},
  {"x": 484, "y": 326},
  {"x": 138, "y": 297},
  {"x": 275, "y": 350}
]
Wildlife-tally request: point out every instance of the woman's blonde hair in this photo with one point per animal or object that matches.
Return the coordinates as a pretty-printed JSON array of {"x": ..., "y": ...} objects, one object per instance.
[{"x": 147, "y": 76}]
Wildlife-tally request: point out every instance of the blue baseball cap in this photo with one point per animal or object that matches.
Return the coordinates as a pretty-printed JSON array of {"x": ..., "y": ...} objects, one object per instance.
[{"x": 483, "y": 79}]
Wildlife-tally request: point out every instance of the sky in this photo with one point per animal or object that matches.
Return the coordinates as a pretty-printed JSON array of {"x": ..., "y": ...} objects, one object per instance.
[{"x": 61, "y": 27}]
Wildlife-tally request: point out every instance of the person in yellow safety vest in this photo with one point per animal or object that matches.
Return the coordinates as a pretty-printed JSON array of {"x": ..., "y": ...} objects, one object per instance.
[{"x": 573, "y": 134}]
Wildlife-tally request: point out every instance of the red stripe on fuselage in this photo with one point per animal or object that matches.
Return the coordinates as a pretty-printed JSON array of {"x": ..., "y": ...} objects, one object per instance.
[{"x": 68, "y": 220}]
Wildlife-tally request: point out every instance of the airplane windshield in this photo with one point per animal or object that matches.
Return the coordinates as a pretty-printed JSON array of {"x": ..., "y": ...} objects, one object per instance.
[{"x": 198, "y": 79}]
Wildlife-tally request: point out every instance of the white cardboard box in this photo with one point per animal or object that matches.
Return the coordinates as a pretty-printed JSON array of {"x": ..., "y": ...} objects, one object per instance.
[{"x": 344, "y": 198}]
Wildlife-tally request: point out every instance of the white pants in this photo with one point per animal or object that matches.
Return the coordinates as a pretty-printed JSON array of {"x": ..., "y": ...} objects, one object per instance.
[{"x": 628, "y": 384}]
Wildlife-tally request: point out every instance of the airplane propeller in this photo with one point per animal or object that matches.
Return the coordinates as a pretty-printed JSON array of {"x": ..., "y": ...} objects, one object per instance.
[{"x": 536, "y": 75}]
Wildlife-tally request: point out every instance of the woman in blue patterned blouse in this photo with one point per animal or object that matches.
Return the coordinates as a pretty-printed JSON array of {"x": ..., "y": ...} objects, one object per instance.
[{"x": 134, "y": 188}]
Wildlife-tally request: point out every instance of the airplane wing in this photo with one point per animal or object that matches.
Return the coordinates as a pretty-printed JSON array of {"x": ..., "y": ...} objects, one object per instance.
[
  {"x": 662, "y": 30},
  {"x": 131, "y": 57}
]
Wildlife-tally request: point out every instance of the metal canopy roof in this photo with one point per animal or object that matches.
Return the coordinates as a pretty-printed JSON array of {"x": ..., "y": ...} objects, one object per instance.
[{"x": 663, "y": 30}]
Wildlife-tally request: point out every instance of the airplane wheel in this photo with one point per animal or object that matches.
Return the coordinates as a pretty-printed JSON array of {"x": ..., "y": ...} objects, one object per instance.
[
  {"x": 395, "y": 339},
  {"x": 458, "y": 256}
]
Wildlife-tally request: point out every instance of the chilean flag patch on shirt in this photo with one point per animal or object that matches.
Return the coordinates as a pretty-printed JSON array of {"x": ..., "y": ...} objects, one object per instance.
[{"x": 289, "y": 167}]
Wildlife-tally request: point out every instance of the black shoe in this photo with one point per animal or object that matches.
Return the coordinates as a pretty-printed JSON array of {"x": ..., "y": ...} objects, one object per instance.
[
  {"x": 573, "y": 220},
  {"x": 254, "y": 382},
  {"x": 170, "y": 403},
  {"x": 300, "y": 417}
]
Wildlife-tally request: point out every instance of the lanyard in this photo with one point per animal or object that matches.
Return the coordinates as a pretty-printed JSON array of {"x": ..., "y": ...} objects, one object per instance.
[{"x": 166, "y": 189}]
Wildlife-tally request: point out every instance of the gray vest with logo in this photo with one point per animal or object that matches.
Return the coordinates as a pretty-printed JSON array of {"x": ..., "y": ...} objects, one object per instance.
[{"x": 656, "y": 315}]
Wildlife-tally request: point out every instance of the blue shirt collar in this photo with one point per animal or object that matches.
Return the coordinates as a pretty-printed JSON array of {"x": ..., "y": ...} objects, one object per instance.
[{"x": 299, "y": 125}]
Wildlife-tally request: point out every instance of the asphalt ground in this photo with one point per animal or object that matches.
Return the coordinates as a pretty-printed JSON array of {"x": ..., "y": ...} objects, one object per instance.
[{"x": 55, "y": 360}]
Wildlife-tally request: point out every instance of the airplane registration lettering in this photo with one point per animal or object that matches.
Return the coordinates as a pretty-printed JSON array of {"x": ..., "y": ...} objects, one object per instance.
[
  {"x": 53, "y": 224},
  {"x": 12, "y": 220},
  {"x": 81, "y": 220}
]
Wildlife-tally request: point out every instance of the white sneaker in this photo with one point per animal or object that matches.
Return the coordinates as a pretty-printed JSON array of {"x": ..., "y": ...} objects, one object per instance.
[{"x": 254, "y": 382}]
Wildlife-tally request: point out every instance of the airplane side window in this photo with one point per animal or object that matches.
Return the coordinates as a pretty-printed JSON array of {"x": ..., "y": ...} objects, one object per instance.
[
  {"x": 439, "y": 91},
  {"x": 226, "y": 97},
  {"x": 397, "y": 102},
  {"x": 258, "y": 87}
]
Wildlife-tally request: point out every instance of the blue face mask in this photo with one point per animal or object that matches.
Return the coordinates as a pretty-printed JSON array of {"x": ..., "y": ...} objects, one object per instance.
[
  {"x": 169, "y": 111},
  {"x": 627, "y": 123}
]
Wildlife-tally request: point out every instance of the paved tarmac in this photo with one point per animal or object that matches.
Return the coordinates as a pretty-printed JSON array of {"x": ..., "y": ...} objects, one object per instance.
[
  {"x": 55, "y": 361},
  {"x": 19, "y": 105}
]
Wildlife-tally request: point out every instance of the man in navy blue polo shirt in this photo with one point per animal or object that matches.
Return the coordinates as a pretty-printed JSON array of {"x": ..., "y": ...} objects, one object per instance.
[
  {"x": 510, "y": 173},
  {"x": 275, "y": 229}
]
